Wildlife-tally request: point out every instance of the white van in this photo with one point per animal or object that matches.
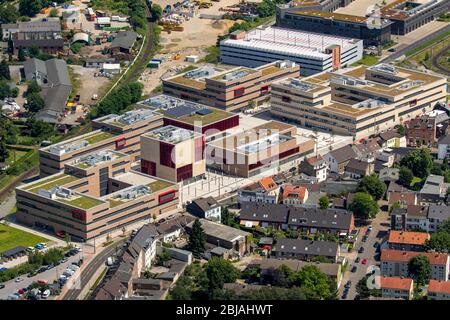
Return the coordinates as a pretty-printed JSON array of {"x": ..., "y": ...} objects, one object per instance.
[
  {"x": 109, "y": 261},
  {"x": 73, "y": 267},
  {"x": 46, "y": 294}
]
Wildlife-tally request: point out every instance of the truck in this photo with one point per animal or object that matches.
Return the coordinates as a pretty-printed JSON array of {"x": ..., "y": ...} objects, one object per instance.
[{"x": 109, "y": 261}]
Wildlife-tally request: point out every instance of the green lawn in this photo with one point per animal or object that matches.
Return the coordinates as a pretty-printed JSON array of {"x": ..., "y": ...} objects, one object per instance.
[
  {"x": 11, "y": 237},
  {"x": 367, "y": 60},
  {"x": 159, "y": 185},
  {"x": 82, "y": 202},
  {"x": 415, "y": 180},
  {"x": 98, "y": 137},
  {"x": 14, "y": 155}
]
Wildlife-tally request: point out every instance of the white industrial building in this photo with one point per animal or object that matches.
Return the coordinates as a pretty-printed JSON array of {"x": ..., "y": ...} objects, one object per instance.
[{"x": 313, "y": 52}]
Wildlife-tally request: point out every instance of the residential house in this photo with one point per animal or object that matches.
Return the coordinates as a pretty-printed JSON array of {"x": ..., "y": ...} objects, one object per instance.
[
  {"x": 305, "y": 249},
  {"x": 433, "y": 190},
  {"x": 407, "y": 240},
  {"x": 145, "y": 241},
  {"x": 98, "y": 62},
  {"x": 397, "y": 288},
  {"x": 224, "y": 236},
  {"x": 357, "y": 169},
  {"x": 315, "y": 167},
  {"x": 394, "y": 263},
  {"x": 294, "y": 195},
  {"x": 404, "y": 198},
  {"x": 339, "y": 158},
  {"x": 444, "y": 147},
  {"x": 123, "y": 42},
  {"x": 389, "y": 174},
  {"x": 367, "y": 149},
  {"x": 394, "y": 187},
  {"x": 309, "y": 220},
  {"x": 437, "y": 214},
  {"x": 207, "y": 208},
  {"x": 426, "y": 129},
  {"x": 265, "y": 190},
  {"x": 392, "y": 139},
  {"x": 52, "y": 75},
  {"x": 438, "y": 290}
]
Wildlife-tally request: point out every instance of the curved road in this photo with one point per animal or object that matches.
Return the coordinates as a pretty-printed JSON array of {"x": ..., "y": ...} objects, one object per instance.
[
  {"x": 437, "y": 65},
  {"x": 89, "y": 271},
  {"x": 415, "y": 44}
]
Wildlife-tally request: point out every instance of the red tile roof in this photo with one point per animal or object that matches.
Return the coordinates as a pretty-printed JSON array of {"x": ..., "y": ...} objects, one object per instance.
[
  {"x": 396, "y": 283},
  {"x": 291, "y": 191},
  {"x": 408, "y": 237},
  {"x": 405, "y": 256},
  {"x": 439, "y": 286},
  {"x": 407, "y": 198},
  {"x": 268, "y": 184}
]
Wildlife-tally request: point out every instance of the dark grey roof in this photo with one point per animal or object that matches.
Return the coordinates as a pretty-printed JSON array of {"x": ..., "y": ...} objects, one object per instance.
[
  {"x": 343, "y": 154},
  {"x": 23, "y": 43},
  {"x": 445, "y": 139},
  {"x": 300, "y": 246},
  {"x": 124, "y": 39},
  {"x": 13, "y": 251},
  {"x": 40, "y": 26},
  {"x": 390, "y": 134},
  {"x": 389, "y": 174},
  {"x": 145, "y": 236},
  {"x": 355, "y": 165},
  {"x": 395, "y": 187},
  {"x": 206, "y": 203},
  {"x": 304, "y": 217},
  {"x": 439, "y": 212}
]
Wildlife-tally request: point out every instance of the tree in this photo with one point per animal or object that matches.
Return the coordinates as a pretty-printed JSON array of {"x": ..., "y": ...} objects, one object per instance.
[
  {"x": 220, "y": 271},
  {"x": 401, "y": 130},
  {"x": 311, "y": 278},
  {"x": 21, "y": 55},
  {"x": 67, "y": 240},
  {"x": 4, "y": 70},
  {"x": 39, "y": 129},
  {"x": 439, "y": 241},
  {"x": 419, "y": 268},
  {"x": 156, "y": 12},
  {"x": 4, "y": 151},
  {"x": 419, "y": 161},
  {"x": 364, "y": 206},
  {"x": 29, "y": 7},
  {"x": 5, "y": 90},
  {"x": 8, "y": 14},
  {"x": 405, "y": 176},
  {"x": 324, "y": 202},
  {"x": 35, "y": 102},
  {"x": 197, "y": 239},
  {"x": 53, "y": 13},
  {"x": 33, "y": 87},
  {"x": 445, "y": 226},
  {"x": 227, "y": 217},
  {"x": 372, "y": 185}
]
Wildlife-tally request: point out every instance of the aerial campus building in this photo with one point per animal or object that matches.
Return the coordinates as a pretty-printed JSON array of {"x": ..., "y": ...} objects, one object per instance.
[
  {"x": 249, "y": 153},
  {"x": 373, "y": 31},
  {"x": 312, "y": 51},
  {"x": 191, "y": 115},
  {"x": 229, "y": 90},
  {"x": 361, "y": 101},
  {"x": 173, "y": 153},
  {"x": 97, "y": 193},
  {"x": 110, "y": 132}
]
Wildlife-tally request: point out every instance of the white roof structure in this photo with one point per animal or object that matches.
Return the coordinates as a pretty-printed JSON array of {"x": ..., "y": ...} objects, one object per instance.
[{"x": 292, "y": 42}]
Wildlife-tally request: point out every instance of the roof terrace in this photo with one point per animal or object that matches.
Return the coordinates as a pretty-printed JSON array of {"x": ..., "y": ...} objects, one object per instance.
[
  {"x": 97, "y": 158},
  {"x": 78, "y": 143},
  {"x": 128, "y": 118},
  {"x": 171, "y": 134}
]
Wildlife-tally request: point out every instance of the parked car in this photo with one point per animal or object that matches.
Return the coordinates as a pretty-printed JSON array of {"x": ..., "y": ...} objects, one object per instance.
[
  {"x": 348, "y": 284},
  {"x": 364, "y": 261},
  {"x": 50, "y": 266},
  {"x": 354, "y": 269},
  {"x": 2, "y": 286},
  {"x": 45, "y": 294},
  {"x": 42, "y": 282},
  {"x": 365, "y": 238},
  {"x": 30, "y": 249},
  {"x": 13, "y": 297},
  {"x": 18, "y": 279},
  {"x": 361, "y": 250},
  {"x": 357, "y": 260},
  {"x": 344, "y": 295},
  {"x": 63, "y": 260}
]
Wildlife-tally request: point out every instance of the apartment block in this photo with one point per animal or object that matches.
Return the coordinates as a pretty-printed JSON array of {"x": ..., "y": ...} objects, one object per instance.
[
  {"x": 407, "y": 240},
  {"x": 232, "y": 89},
  {"x": 96, "y": 193},
  {"x": 314, "y": 52},
  {"x": 438, "y": 290},
  {"x": 306, "y": 250},
  {"x": 173, "y": 153},
  {"x": 394, "y": 263},
  {"x": 360, "y": 102},
  {"x": 120, "y": 133},
  {"x": 397, "y": 288},
  {"x": 251, "y": 152}
]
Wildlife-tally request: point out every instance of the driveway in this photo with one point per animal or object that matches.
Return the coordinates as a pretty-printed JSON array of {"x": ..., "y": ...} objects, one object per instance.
[{"x": 380, "y": 226}]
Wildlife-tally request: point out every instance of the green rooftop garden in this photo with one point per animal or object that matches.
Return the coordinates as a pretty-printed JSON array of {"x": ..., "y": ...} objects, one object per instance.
[
  {"x": 214, "y": 116},
  {"x": 82, "y": 202},
  {"x": 159, "y": 185},
  {"x": 98, "y": 137},
  {"x": 47, "y": 184}
]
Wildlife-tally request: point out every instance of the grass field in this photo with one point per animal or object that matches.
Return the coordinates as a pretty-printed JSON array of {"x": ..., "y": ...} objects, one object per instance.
[
  {"x": 367, "y": 60},
  {"x": 11, "y": 237}
]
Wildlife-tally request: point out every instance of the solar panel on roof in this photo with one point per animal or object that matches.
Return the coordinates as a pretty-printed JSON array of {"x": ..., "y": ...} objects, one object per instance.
[
  {"x": 180, "y": 111},
  {"x": 204, "y": 111}
]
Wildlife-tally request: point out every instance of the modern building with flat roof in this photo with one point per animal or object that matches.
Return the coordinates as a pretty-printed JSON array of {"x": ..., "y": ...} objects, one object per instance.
[
  {"x": 117, "y": 132},
  {"x": 322, "y": 5},
  {"x": 191, "y": 115},
  {"x": 372, "y": 30},
  {"x": 96, "y": 194},
  {"x": 173, "y": 153},
  {"x": 361, "y": 101},
  {"x": 229, "y": 90},
  {"x": 251, "y": 152},
  {"x": 408, "y": 15},
  {"x": 312, "y": 51}
]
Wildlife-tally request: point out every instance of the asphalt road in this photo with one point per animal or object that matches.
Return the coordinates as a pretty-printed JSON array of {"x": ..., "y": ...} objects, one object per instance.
[
  {"x": 379, "y": 231},
  {"x": 414, "y": 45},
  {"x": 49, "y": 275},
  {"x": 88, "y": 272},
  {"x": 436, "y": 59}
]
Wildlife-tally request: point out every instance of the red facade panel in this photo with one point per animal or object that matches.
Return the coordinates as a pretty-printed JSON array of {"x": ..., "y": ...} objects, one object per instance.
[
  {"x": 166, "y": 196},
  {"x": 165, "y": 154},
  {"x": 199, "y": 148},
  {"x": 239, "y": 92},
  {"x": 121, "y": 143},
  {"x": 184, "y": 173},
  {"x": 148, "y": 167}
]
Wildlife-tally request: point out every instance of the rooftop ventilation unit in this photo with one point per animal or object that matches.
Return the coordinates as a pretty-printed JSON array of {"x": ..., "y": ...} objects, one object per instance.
[
  {"x": 68, "y": 147},
  {"x": 199, "y": 73},
  {"x": 235, "y": 75},
  {"x": 297, "y": 84},
  {"x": 134, "y": 192},
  {"x": 386, "y": 68},
  {"x": 134, "y": 116}
]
